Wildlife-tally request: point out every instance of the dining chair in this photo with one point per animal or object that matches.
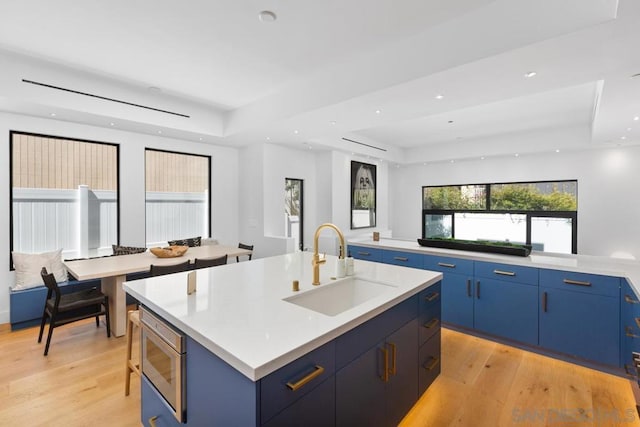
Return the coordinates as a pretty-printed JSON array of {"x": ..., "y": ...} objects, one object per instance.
[
  {"x": 209, "y": 262},
  {"x": 247, "y": 247},
  {"x": 61, "y": 309},
  {"x": 159, "y": 270}
]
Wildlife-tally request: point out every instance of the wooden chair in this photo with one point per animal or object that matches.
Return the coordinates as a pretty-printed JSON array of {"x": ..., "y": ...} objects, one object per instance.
[
  {"x": 61, "y": 309},
  {"x": 209, "y": 262},
  {"x": 247, "y": 247},
  {"x": 159, "y": 270}
]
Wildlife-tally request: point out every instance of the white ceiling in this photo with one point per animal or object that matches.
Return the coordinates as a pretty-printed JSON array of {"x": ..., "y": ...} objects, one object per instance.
[{"x": 324, "y": 68}]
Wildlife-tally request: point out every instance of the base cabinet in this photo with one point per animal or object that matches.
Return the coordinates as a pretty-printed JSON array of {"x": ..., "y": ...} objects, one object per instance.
[{"x": 630, "y": 333}]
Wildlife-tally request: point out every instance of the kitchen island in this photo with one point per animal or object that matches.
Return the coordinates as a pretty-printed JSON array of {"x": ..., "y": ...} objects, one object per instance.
[{"x": 258, "y": 353}]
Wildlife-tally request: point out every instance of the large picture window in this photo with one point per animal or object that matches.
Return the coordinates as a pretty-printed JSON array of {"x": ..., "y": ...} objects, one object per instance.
[
  {"x": 64, "y": 195},
  {"x": 541, "y": 214},
  {"x": 177, "y": 196}
]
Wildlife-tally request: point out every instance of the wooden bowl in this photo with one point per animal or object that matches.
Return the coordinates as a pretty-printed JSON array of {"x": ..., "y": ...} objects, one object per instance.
[{"x": 169, "y": 251}]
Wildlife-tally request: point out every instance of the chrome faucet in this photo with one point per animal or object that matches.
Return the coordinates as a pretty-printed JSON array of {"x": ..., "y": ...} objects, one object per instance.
[{"x": 316, "y": 261}]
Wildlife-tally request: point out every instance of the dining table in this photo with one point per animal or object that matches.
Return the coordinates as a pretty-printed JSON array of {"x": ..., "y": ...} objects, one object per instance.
[{"x": 112, "y": 272}]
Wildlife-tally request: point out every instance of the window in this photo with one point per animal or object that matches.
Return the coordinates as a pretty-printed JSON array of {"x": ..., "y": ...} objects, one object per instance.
[
  {"x": 177, "y": 196},
  {"x": 541, "y": 214},
  {"x": 64, "y": 194}
]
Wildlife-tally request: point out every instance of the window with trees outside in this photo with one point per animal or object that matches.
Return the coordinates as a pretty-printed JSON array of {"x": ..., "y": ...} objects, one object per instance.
[
  {"x": 177, "y": 196},
  {"x": 540, "y": 214},
  {"x": 64, "y": 195}
]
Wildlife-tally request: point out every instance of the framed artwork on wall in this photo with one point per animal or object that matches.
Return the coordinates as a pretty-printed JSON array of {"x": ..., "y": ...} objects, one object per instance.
[{"x": 363, "y": 195}]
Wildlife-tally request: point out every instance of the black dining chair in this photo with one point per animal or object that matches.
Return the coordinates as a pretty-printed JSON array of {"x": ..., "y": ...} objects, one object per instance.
[
  {"x": 61, "y": 309},
  {"x": 160, "y": 270},
  {"x": 209, "y": 262},
  {"x": 247, "y": 247}
]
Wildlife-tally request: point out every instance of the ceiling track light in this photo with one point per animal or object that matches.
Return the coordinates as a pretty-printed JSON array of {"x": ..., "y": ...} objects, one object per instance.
[
  {"x": 267, "y": 16},
  {"x": 530, "y": 74}
]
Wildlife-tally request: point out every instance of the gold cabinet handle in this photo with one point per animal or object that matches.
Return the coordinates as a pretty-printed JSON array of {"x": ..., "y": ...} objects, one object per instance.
[
  {"x": 629, "y": 300},
  {"x": 364, "y": 253},
  {"x": 401, "y": 258},
  {"x": 435, "y": 361},
  {"x": 504, "y": 273},
  {"x": 152, "y": 421},
  {"x": 393, "y": 371},
  {"x": 576, "y": 282},
  {"x": 637, "y": 319},
  {"x": 446, "y": 264},
  {"x": 431, "y": 323},
  {"x": 385, "y": 366},
  {"x": 432, "y": 296},
  {"x": 628, "y": 331},
  {"x": 300, "y": 383}
]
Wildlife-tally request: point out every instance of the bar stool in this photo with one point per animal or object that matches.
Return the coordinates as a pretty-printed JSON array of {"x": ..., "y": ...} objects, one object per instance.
[{"x": 133, "y": 319}]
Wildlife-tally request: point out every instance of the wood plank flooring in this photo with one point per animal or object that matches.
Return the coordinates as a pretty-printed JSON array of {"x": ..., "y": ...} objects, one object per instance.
[{"x": 81, "y": 383}]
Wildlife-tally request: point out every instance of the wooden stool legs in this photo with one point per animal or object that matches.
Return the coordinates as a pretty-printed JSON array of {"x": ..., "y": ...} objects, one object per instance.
[{"x": 133, "y": 319}]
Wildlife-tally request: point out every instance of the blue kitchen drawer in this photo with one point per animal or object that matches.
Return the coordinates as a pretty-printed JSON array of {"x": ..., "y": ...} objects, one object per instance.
[
  {"x": 405, "y": 259},
  {"x": 429, "y": 360},
  {"x": 365, "y": 253},
  {"x": 277, "y": 395},
  {"x": 581, "y": 282},
  {"x": 506, "y": 272},
  {"x": 430, "y": 312},
  {"x": 449, "y": 265}
]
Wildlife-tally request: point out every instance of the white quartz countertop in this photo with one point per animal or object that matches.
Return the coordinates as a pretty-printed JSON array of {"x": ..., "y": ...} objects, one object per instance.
[
  {"x": 238, "y": 312},
  {"x": 628, "y": 269}
]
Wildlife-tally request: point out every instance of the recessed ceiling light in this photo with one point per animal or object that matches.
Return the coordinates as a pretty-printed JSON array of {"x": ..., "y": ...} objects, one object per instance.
[
  {"x": 333, "y": 122},
  {"x": 267, "y": 16},
  {"x": 378, "y": 111},
  {"x": 557, "y": 150},
  {"x": 530, "y": 74},
  {"x": 53, "y": 114},
  {"x": 452, "y": 161},
  {"x": 623, "y": 137},
  {"x": 112, "y": 124},
  {"x": 439, "y": 96},
  {"x": 636, "y": 118},
  {"x": 200, "y": 138},
  {"x": 517, "y": 155},
  {"x": 482, "y": 158},
  {"x": 296, "y": 131},
  {"x": 268, "y": 138},
  {"x": 159, "y": 131}
]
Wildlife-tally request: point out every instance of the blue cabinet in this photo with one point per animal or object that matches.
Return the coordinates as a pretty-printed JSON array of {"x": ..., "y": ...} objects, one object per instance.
[
  {"x": 404, "y": 259},
  {"x": 154, "y": 408},
  {"x": 365, "y": 253},
  {"x": 381, "y": 385},
  {"x": 630, "y": 330},
  {"x": 457, "y": 288},
  {"x": 315, "y": 409},
  {"x": 580, "y": 315}
]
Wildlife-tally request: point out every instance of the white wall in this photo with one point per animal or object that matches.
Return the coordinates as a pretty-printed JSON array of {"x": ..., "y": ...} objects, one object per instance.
[
  {"x": 224, "y": 192},
  {"x": 608, "y": 203}
]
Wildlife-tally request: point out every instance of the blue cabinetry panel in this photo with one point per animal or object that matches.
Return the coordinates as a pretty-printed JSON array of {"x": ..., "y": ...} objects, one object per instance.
[
  {"x": 457, "y": 299},
  {"x": 405, "y": 259},
  {"x": 448, "y": 264},
  {"x": 429, "y": 363},
  {"x": 506, "y": 272},
  {"x": 275, "y": 393},
  {"x": 315, "y": 409},
  {"x": 430, "y": 312},
  {"x": 580, "y": 282},
  {"x": 580, "y": 324},
  {"x": 402, "y": 388},
  {"x": 365, "y": 253},
  {"x": 507, "y": 309}
]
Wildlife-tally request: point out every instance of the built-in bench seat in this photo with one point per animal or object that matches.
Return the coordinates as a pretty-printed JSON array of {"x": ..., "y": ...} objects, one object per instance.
[{"x": 26, "y": 305}]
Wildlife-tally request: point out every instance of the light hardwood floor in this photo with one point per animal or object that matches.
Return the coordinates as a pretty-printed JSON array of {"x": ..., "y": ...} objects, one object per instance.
[{"x": 81, "y": 383}]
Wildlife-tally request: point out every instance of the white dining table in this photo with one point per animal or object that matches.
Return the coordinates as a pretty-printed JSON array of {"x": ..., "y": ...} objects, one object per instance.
[{"x": 112, "y": 272}]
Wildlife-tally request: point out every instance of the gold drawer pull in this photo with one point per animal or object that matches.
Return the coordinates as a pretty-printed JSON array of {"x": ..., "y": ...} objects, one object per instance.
[
  {"x": 401, "y": 258},
  {"x": 628, "y": 299},
  {"x": 299, "y": 384},
  {"x": 628, "y": 331},
  {"x": 637, "y": 319},
  {"x": 432, "y": 296},
  {"x": 152, "y": 421},
  {"x": 431, "y": 323},
  {"x": 504, "y": 273},
  {"x": 385, "y": 367},
  {"x": 435, "y": 361},
  {"x": 576, "y": 282},
  {"x": 364, "y": 253},
  {"x": 446, "y": 264},
  {"x": 393, "y": 371}
]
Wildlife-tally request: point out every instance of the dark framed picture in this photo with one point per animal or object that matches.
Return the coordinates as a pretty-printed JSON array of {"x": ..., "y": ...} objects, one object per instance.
[{"x": 363, "y": 195}]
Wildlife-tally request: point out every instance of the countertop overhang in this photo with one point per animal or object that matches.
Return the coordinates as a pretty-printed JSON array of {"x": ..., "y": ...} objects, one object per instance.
[{"x": 238, "y": 312}]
